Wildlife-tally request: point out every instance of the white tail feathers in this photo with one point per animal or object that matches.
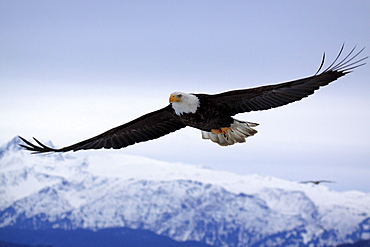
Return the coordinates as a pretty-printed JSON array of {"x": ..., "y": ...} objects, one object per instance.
[{"x": 237, "y": 133}]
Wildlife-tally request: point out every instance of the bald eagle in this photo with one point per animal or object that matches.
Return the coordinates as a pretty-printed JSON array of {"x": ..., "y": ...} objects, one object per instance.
[
  {"x": 316, "y": 182},
  {"x": 212, "y": 114}
]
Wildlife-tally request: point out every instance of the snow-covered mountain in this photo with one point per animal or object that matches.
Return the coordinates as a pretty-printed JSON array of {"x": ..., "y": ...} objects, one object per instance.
[{"x": 105, "y": 189}]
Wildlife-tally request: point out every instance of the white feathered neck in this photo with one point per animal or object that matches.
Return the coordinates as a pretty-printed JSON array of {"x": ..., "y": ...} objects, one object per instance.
[{"x": 188, "y": 103}]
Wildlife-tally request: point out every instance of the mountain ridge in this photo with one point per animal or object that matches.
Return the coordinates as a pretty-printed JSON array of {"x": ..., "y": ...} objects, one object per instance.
[{"x": 180, "y": 201}]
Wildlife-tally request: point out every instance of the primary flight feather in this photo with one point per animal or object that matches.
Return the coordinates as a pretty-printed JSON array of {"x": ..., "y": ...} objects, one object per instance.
[{"x": 212, "y": 114}]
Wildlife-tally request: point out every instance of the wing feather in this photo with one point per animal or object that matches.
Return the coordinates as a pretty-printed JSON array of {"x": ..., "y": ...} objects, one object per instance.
[
  {"x": 150, "y": 126},
  {"x": 271, "y": 96}
]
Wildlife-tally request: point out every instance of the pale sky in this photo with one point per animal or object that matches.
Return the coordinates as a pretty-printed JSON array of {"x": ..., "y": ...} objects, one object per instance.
[{"x": 70, "y": 70}]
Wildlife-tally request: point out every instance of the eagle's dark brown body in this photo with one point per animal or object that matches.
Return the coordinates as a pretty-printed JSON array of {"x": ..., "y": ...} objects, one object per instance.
[{"x": 209, "y": 115}]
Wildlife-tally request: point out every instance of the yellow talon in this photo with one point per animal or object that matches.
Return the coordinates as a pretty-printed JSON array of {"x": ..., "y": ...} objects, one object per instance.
[{"x": 222, "y": 131}]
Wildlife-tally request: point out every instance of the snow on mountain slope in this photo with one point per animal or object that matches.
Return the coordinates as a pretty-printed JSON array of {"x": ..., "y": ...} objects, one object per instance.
[{"x": 102, "y": 189}]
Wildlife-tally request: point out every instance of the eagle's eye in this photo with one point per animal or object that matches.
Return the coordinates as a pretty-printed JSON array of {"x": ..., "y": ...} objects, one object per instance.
[{"x": 179, "y": 96}]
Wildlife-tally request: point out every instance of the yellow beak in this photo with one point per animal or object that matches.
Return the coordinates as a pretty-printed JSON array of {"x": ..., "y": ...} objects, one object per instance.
[{"x": 173, "y": 98}]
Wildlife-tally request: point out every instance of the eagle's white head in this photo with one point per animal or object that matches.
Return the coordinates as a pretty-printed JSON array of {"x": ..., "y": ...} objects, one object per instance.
[{"x": 184, "y": 102}]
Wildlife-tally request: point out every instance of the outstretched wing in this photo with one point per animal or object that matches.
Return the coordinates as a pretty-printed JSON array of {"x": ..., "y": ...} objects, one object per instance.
[
  {"x": 267, "y": 97},
  {"x": 150, "y": 126}
]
